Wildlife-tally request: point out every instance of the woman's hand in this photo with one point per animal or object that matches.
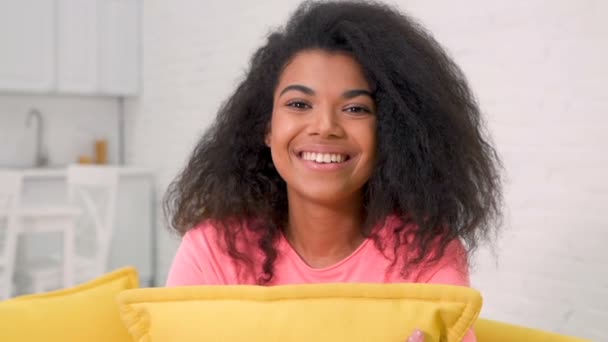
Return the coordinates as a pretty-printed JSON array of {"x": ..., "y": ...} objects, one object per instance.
[{"x": 417, "y": 336}]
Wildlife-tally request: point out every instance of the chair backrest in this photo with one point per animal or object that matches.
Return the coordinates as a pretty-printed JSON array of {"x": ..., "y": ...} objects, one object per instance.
[
  {"x": 10, "y": 200},
  {"x": 94, "y": 189}
]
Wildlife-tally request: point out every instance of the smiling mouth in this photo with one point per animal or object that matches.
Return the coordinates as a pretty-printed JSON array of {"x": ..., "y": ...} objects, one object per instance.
[{"x": 324, "y": 158}]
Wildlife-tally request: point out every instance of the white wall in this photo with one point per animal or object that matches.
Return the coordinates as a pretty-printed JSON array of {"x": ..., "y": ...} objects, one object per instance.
[
  {"x": 71, "y": 126},
  {"x": 538, "y": 68}
]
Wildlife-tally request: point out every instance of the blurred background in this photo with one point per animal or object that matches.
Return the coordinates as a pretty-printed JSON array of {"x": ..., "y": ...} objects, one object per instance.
[{"x": 126, "y": 87}]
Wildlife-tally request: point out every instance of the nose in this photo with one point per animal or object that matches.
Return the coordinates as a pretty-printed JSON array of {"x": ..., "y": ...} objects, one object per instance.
[{"x": 326, "y": 124}]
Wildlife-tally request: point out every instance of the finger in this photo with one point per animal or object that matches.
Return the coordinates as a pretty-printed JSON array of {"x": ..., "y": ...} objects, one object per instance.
[{"x": 417, "y": 336}]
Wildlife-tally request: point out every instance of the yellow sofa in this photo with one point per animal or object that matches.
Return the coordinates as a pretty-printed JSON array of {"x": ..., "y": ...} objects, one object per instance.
[
  {"x": 489, "y": 330},
  {"x": 92, "y": 312}
]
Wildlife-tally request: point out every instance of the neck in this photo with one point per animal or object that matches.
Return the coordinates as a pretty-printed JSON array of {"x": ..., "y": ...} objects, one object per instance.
[{"x": 324, "y": 235}]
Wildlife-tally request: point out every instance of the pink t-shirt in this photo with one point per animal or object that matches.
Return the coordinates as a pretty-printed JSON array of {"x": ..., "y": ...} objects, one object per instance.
[{"x": 201, "y": 261}]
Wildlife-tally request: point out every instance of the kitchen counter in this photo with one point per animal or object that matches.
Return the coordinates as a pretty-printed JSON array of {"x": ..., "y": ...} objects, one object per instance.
[{"x": 61, "y": 172}]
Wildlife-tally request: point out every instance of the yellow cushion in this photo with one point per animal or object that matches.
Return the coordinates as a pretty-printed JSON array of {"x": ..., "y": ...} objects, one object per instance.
[
  {"x": 320, "y": 312},
  {"x": 87, "y": 312},
  {"x": 492, "y": 331}
]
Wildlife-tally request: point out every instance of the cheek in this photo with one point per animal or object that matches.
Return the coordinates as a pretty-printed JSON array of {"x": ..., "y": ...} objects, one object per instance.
[
  {"x": 274, "y": 134},
  {"x": 367, "y": 139},
  {"x": 282, "y": 131},
  {"x": 368, "y": 144},
  {"x": 279, "y": 139},
  {"x": 278, "y": 142}
]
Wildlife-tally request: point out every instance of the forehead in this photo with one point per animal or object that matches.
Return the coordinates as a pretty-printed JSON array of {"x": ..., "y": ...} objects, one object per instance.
[{"x": 323, "y": 70}]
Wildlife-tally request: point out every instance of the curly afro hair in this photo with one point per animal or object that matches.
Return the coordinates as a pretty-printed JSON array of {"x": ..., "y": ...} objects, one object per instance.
[{"x": 435, "y": 165}]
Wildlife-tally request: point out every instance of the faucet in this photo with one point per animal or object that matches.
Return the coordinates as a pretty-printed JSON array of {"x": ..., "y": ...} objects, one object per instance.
[{"x": 41, "y": 158}]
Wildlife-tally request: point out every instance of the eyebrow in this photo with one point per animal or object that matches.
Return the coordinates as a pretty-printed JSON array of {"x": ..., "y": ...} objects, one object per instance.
[
  {"x": 356, "y": 92},
  {"x": 299, "y": 88},
  {"x": 349, "y": 94}
]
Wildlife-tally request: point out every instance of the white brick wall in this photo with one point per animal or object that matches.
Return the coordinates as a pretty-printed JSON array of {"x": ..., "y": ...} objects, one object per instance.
[{"x": 538, "y": 68}]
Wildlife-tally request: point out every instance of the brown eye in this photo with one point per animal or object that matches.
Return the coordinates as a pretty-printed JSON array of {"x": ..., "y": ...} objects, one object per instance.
[
  {"x": 358, "y": 110},
  {"x": 299, "y": 105}
]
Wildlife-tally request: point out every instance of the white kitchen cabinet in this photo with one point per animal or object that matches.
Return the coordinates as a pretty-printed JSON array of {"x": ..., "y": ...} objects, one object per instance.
[
  {"x": 77, "y": 51},
  {"x": 27, "y": 45},
  {"x": 70, "y": 46},
  {"x": 119, "y": 46}
]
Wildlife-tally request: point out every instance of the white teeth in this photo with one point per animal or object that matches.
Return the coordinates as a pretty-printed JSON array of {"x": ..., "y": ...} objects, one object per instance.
[{"x": 324, "y": 157}]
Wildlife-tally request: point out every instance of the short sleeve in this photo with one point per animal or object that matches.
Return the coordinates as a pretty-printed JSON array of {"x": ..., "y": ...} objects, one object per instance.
[
  {"x": 451, "y": 269},
  {"x": 185, "y": 269},
  {"x": 200, "y": 261}
]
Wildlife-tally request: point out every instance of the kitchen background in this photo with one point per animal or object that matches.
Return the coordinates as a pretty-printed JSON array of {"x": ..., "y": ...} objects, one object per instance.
[{"x": 148, "y": 77}]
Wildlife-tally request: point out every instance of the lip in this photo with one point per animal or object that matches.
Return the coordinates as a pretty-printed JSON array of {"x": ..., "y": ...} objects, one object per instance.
[{"x": 324, "y": 149}]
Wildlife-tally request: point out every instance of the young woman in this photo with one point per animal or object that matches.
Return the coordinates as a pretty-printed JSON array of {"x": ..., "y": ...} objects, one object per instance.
[{"x": 353, "y": 151}]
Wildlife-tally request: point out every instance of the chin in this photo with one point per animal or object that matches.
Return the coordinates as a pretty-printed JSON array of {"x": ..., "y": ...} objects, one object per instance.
[{"x": 324, "y": 194}]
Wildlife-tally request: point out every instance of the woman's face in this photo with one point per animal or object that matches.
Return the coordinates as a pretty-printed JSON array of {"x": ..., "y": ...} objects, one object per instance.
[{"x": 322, "y": 134}]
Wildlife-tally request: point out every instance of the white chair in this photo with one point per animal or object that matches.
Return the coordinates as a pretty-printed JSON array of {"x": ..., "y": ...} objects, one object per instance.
[
  {"x": 93, "y": 190},
  {"x": 10, "y": 193}
]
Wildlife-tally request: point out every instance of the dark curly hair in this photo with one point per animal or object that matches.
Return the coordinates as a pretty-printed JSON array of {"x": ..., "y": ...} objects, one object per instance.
[{"x": 435, "y": 166}]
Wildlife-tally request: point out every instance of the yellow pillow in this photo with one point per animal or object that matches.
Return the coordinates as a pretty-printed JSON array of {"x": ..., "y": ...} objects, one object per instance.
[
  {"x": 320, "y": 312},
  {"x": 87, "y": 312}
]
